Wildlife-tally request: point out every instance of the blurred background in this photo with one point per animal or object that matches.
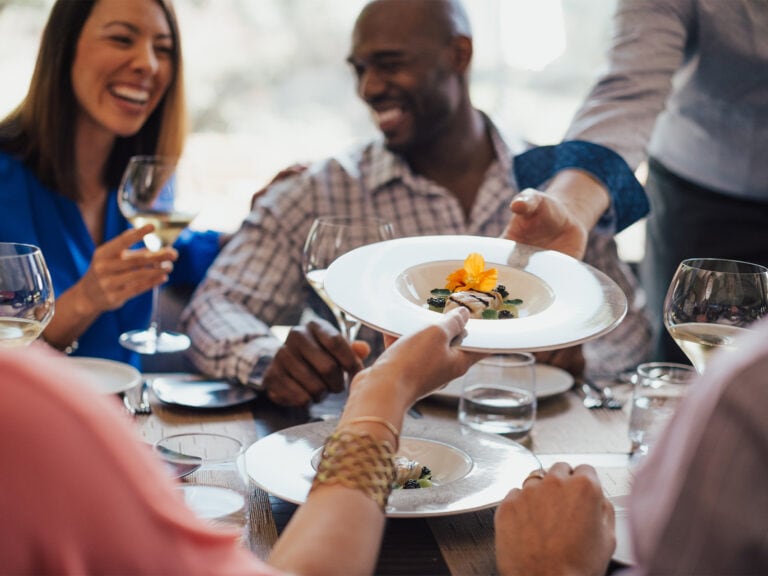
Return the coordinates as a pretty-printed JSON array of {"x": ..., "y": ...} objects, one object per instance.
[{"x": 268, "y": 84}]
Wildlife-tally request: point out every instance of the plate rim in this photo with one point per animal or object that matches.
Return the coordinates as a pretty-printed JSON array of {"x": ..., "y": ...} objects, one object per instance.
[
  {"x": 539, "y": 332},
  {"x": 444, "y": 393},
  {"x": 111, "y": 365},
  {"x": 250, "y": 394},
  {"x": 490, "y": 471}
]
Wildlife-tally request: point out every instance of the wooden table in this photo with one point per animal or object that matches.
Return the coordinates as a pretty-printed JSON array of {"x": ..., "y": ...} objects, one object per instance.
[{"x": 462, "y": 544}]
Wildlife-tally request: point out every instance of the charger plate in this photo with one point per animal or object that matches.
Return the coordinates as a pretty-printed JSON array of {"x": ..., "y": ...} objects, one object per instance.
[
  {"x": 565, "y": 302},
  {"x": 472, "y": 470}
]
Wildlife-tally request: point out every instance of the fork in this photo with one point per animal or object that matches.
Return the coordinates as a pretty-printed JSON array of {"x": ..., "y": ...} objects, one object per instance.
[
  {"x": 144, "y": 407},
  {"x": 599, "y": 396}
]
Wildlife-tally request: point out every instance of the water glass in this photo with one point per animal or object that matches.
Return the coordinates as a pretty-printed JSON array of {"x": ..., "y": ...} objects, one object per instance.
[
  {"x": 498, "y": 395},
  {"x": 217, "y": 490},
  {"x": 657, "y": 391}
]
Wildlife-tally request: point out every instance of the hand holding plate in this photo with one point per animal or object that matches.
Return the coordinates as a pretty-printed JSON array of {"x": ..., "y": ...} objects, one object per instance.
[{"x": 542, "y": 220}]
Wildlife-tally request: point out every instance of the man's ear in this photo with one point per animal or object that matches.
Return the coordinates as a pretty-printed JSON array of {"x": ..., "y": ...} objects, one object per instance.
[{"x": 462, "y": 53}]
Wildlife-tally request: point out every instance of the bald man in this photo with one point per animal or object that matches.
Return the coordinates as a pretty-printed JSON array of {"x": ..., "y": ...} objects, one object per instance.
[{"x": 440, "y": 167}]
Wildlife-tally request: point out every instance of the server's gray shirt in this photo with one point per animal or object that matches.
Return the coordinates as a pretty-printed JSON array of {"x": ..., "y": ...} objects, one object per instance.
[{"x": 688, "y": 83}]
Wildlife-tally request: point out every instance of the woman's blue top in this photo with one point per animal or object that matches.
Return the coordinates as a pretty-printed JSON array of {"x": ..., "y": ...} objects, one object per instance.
[{"x": 30, "y": 213}]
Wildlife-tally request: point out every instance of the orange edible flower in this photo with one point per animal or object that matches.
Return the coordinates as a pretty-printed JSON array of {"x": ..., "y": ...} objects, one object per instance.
[{"x": 473, "y": 276}]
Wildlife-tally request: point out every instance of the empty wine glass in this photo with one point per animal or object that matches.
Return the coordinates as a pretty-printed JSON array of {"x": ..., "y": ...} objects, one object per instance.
[
  {"x": 26, "y": 294},
  {"x": 330, "y": 237},
  {"x": 155, "y": 191},
  {"x": 711, "y": 302}
]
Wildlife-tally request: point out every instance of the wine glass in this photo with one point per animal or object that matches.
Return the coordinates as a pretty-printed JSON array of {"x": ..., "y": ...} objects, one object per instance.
[
  {"x": 330, "y": 237},
  {"x": 154, "y": 191},
  {"x": 26, "y": 294},
  {"x": 711, "y": 302}
]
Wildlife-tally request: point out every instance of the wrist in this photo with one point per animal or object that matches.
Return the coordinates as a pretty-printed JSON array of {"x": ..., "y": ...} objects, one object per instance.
[
  {"x": 80, "y": 303},
  {"x": 373, "y": 397},
  {"x": 586, "y": 198}
]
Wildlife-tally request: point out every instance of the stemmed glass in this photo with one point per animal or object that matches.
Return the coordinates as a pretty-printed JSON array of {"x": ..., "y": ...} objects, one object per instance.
[
  {"x": 711, "y": 302},
  {"x": 154, "y": 191},
  {"x": 330, "y": 237},
  {"x": 26, "y": 294}
]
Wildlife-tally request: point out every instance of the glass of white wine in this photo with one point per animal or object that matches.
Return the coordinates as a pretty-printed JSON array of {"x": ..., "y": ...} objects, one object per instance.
[
  {"x": 26, "y": 294},
  {"x": 155, "y": 191},
  {"x": 711, "y": 302},
  {"x": 330, "y": 237}
]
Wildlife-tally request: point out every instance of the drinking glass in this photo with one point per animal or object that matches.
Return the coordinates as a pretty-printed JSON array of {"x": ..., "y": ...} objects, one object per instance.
[
  {"x": 711, "y": 302},
  {"x": 155, "y": 191},
  {"x": 498, "y": 395},
  {"x": 330, "y": 237},
  {"x": 658, "y": 388},
  {"x": 215, "y": 483},
  {"x": 26, "y": 294}
]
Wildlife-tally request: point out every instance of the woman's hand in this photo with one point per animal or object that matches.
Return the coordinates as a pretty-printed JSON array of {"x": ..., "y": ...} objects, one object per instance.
[
  {"x": 117, "y": 274},
  {"x": 426, "y": 360}
]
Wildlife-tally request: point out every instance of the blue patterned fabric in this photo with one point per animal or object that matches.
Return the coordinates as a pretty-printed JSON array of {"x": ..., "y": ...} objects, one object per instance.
[{"x": 628, "y": 200}]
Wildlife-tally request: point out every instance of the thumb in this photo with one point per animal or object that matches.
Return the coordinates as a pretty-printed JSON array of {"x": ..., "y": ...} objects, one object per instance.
[
  {"x": 526, "y": 202},
  {"x": 361, "y": 348}
]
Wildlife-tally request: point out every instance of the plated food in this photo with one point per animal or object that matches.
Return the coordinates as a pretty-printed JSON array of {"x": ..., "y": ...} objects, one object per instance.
[
  {"x": 475, "y": 288},
  {"x": 470, "y": 470},
  {"x": 411, "y": 474},
  {"x": 565, "y": 302}
]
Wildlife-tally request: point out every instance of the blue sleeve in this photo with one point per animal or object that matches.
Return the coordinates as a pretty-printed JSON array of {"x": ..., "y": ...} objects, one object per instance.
[
  {"x": 197, "y": 251},
  {"x": 628, "y": 200}
]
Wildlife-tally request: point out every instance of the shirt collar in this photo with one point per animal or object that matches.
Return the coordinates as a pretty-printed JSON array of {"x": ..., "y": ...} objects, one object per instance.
[{"x": 386, "y": 167}]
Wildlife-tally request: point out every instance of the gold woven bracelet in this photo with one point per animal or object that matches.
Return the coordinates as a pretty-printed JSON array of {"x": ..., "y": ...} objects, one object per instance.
[
  {"x": 377, "y": 420},
  {"x": 358, "y": 461}
]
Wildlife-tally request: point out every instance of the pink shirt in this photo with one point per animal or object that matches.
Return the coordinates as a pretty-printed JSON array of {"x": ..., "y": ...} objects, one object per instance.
[
  {"x": 81, "y": 494},
  {"x": 700, "y": 502}
]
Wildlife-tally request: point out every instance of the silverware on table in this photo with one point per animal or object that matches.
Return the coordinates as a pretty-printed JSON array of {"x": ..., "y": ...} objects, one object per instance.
[
  {"x": 143, "y": 406},
  {"x": 599, "y": 396},
  {"x": 127, "y": 403}
]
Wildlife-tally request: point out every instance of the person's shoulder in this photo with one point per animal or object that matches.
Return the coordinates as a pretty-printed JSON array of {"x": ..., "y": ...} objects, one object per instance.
[
  {"x": 349, "y": 162},
  {"x": 320, "y": 175}
]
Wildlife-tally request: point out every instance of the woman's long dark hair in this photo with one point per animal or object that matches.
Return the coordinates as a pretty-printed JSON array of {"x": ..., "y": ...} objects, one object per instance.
[{"x": 41, "y": 130}]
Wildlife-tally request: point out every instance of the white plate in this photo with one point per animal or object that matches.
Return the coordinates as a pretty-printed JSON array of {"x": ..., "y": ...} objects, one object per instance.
[
  {"x": 550, "y": 381},
  {"x": 565, "y": 302},
  {"x": 107, "y": 376},
  {"x": 472, "y": 470},
  {"x": 194, "y": 391}
]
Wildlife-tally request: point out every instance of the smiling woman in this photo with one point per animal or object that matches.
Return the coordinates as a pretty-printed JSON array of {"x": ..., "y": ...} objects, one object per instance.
[{"x": 107, "y": 85}]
